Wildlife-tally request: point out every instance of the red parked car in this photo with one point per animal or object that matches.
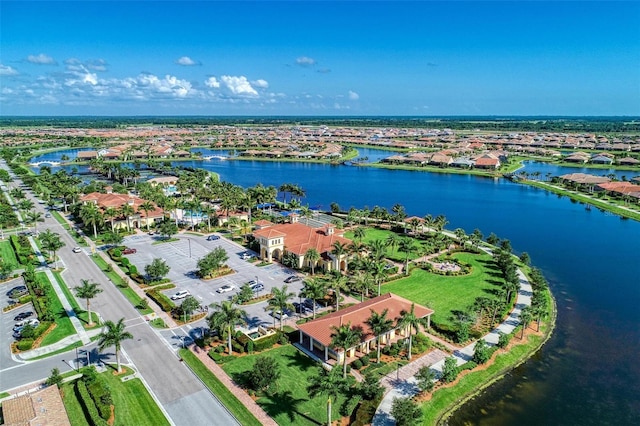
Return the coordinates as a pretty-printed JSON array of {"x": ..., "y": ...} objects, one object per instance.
[{"x": 129, "y": 251}]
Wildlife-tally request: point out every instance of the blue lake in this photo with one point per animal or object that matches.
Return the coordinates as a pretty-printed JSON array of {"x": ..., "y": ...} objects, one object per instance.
[{"x": 588, "y": 373}]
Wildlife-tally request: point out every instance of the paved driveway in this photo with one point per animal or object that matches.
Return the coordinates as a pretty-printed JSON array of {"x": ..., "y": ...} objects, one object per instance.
[{"x": 182, "y": 257}]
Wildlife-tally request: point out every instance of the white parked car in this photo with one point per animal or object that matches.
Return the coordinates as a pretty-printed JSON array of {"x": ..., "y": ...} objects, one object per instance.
[
  {"x": 226, "y": 288},
  {"x": 77, "y": 249},
  {"x": 180, "y": 295}
]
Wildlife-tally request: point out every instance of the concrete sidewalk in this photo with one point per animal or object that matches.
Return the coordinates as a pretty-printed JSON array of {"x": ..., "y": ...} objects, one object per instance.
[{"x": 406, "y": 385}]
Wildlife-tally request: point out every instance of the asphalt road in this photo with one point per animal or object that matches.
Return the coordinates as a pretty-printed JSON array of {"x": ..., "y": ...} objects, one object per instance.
[{"x": 184, "y": 398}]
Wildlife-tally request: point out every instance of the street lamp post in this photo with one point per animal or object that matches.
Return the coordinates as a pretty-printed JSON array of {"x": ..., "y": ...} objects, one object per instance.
[{"x": 189, "y": 239}]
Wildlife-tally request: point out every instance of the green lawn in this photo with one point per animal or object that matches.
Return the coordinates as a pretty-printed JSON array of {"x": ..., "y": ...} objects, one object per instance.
[
  {"x": 80, "y": 312},
  {"x": 63, "y": 327},
  {"x": 229, "y": 400},
  {"x": 444, "y": 293},
  {"x": 372, "y": 234},
  {"x": 7, "y": 254},
  {"x": 290, "y": 405},
  {"x": 134, "y": 405}
]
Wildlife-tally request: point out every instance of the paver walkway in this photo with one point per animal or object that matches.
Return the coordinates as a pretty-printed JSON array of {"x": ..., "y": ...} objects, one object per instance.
[
  {"x": 239, "y": 393},
  {"x": 407, "y": 385}
]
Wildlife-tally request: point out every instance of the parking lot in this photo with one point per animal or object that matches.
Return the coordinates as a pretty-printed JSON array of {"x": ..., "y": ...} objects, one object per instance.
[
  {"x": 182, "y": 257},
  {"x": 7, "y": 321}
]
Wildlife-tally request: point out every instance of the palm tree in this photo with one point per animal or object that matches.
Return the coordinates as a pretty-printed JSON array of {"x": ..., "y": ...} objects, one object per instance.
[
  {"x": 406, "y": 246},
  {"x": 340, "y": 283},
  {"x": 440, "y": 222},
  {"x": 345, "y": 337},
  {"x": 127, "y": 210},
  {"x": 279, "y": 301},
  {"x": 88, "y": 291},
  {"x": 526, "y": 316},
  {"x": 379, "y": 272},
  {"x": 147, "y": 206},
  {"x": 34, "y": 217},
  {"x": 377, "y": 249},
  {"x": 327, "y": 382},
  {"x": 412, "y": 322},
  {"x": 379, "y": 325},
  {"x": 110, "y": 213},
  {"x": 91, "y": 215},
  {"x": 359, "y": 233},
  {"x": 393, "y": 241},
  {"x": 225, "y": 317},
  {"x": 312, "y": 256},
  {"x": 113, "y": 335},
  {"x": 360, "y": 283},
  {"x": 313, "y": 289},
  {"x": 52, "y": 242},
  {"x": 339, "y": 249}
]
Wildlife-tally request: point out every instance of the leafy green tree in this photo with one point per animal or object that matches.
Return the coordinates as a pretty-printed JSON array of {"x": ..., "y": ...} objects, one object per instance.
[
  {"x": 329, "y": 383},
  {"x": 370, "y": 388},
  {"x": 503, "y": 339},
  {"x": 359, "y": 233},
  {"x": 406, "y": 246},
  {"x": 55, "y": 378},
  {"x": 5, "y": 269},
  {"x": 525, "y": 317},
  {"x": 244, "y": 294},
  {"x": 264, "y": 374},
  {"x": 379, "y": 325},
  {"x": 405, "y": 411},
  {"x": 449, "y": 370},
  {"x": 345, "y": 337},
  {"x": 188, "y": 306},
  {"x": 87, "y": 291},
  {"x": 212, "y": 261},
  {"x": 168, "y": 229},
  {"x": 426, "y": 378},
  {"x": 113, "y": 335},
  {"x": 525, "y": 258},
  {"x": 91, "y": 215},
  {"x": 225, "y": 317},
  {"x": 482, "y": 352},
  {"x": 147, "y": 207},
  {"x": 52, "y": 243},
  {"x": 156, "y": 270}
]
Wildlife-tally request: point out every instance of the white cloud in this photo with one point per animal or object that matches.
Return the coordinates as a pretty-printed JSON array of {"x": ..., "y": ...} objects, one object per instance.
[
  {"x": 305, "y": 61},
  {"x": 7, "y": 70},
  {"x": 261, "y": 84},
  {"x": 212, "y": 82},
  {"x": 353, "y": 96},
  {"x": 41, "y": 59},
  {"x": 238, "y": 85},
  {"x": 186, "y": 61}
]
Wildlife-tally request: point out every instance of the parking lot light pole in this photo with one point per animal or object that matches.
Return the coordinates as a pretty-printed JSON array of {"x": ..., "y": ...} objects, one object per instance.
[{"x": 189, "y": 239}]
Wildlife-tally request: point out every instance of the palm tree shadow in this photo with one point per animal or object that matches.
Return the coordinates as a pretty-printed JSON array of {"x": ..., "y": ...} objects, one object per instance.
[
  {"x": 285, "y": 403},
  {"x": 298, "y": 359}
]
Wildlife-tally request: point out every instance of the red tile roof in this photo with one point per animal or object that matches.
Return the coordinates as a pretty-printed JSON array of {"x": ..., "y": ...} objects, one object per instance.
[
  {"x": 118, "y": 200},
  {"x": 320, "y": 329},
  {"x": 299, "y": 237}
]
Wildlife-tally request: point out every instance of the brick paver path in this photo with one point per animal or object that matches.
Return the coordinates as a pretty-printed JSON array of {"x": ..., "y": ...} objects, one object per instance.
[
  {"x": 244, "y": 398},
  {"x": 396, "y": 378}
]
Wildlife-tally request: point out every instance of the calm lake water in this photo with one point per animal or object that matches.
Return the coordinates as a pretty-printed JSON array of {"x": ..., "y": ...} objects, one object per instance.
[{"x": 588, "y": 373}]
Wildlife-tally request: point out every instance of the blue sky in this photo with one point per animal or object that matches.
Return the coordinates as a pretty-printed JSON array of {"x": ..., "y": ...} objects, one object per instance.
[{"x": 319, "y": 58}]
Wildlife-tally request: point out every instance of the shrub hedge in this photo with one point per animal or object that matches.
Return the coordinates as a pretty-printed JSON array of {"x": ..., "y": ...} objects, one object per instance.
[
  {"x": 161, "y": 300},
  {"x": 89, "y": 407}
]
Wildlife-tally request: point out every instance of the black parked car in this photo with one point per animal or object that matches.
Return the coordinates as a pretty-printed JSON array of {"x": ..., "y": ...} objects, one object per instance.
[
  {"x": 292, "y": 279},
  {"x": 17, "y": 291},
  {"x": 23, "y": 315}
]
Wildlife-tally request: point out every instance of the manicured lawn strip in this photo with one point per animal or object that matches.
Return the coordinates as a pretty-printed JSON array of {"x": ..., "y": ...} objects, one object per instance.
[
  {"x": 77, "y": 344},
  {"x": 80, "y": 312},
  {"x": 134, "y": 405},
  {"x": 7, "y": 254},
  {"x": 128, "y": 292},
  {"x": 584, "y": 199},
  {"x": 296, "y": 368},
  {"x": 60, "y": 219},
  {"x": 225, "y": 396},
  {"x": 72, "y": 406},
  {"x": 444, "y": 293},
  {"x": 63, "y": 328},
  {"x": 447, "y": 398}
]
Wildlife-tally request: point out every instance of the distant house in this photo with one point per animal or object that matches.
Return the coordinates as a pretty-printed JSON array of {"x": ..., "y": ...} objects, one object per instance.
[
  {"x": 137, "y": 219},
  {"x": 577, "y": 157},
  {"x": 87, "y": 155},
  {"x": 628, "y": 161},
  {"x": 315, "y": 336},
  {"x": 601, "y": 159},
  {"x": 487, "y": 162},
  {"x": 298, "y": 238}
]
